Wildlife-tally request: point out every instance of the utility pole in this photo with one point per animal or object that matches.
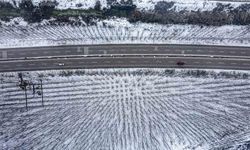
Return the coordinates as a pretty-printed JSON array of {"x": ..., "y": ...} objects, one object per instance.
[
  {"x": 26, "y": 97},
  {"x": 42, "y": 91},
  {"x": 20, "y": 75},
  {"x": 34, "y": 90}
]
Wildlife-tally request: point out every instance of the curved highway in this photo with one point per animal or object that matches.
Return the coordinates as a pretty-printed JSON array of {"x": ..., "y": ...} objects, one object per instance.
[{"x": 113, "y": 56}]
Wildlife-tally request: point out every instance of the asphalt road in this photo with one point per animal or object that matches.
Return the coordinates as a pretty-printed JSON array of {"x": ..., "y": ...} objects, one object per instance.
[
  {"x": 125, "y": 56},
  {"x": 124, "y": 62},
  {"x": 96, "y": 50}
]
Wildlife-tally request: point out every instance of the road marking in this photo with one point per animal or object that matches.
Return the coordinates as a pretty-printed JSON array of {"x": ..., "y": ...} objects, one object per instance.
[
  {"x": 209, "y": 62},
  {"x": 5, "y": 66},
  {"x": 104, "y": 52},
  {"x": 156, "y": 48},
  {"x": 19, "y": 65},
  {"x": 33, "y": 52},
  {"x": 221, "y": 63},
  {"x": 233, "y": 63},
  {"x": 9, "y": 54},
  {"x": 79, "y": 49},
  {"x": 4, "y": 54},
  {"x": 44, "y": 64},
  {"x": 86, "y": 50},
  {"x": 122, "y": 50},
  {"x": 233, "y": 52}
]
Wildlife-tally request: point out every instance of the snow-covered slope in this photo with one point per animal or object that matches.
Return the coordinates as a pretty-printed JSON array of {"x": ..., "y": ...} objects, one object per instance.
[
  {"x": 143, "y": 4},
  {"x": 65, "y": 4},
  {"x": 120, "y": 31},
  {"x": 151, "y": 109},
  {"x": 203, "y": 5}
]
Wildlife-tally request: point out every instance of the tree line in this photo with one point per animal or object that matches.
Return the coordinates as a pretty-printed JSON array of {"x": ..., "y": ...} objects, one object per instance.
[
  {"x": 28, "y": 10},
  {"x": 220, "y": 15},
  {"x": 163, "y": 13}
]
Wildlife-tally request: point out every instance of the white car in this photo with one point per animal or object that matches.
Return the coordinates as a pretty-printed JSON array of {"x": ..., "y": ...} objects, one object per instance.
[{"x": 61, "y": 64}]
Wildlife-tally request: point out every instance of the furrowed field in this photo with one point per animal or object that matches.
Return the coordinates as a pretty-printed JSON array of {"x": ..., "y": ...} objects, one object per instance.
[
  {"x": 126, "y": 109},
  {"x": 120, "y": 31}
]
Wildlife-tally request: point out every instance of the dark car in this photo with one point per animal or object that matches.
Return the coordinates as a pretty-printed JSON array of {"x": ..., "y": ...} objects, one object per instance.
[{"x": 180, "y": 63}]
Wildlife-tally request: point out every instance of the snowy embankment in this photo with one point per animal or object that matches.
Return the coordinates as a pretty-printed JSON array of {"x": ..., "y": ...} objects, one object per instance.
[
  {"x": 127, "y": 109},
  {"x": 18, "y": 33},
  {"x": 118, "y": 31},
  {"x": 189, "y": 5},
  {"x": 203, "y": 5}
]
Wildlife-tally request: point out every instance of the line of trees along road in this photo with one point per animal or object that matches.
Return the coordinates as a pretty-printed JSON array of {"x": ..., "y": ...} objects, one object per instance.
[{"x": 163, "y": 13}]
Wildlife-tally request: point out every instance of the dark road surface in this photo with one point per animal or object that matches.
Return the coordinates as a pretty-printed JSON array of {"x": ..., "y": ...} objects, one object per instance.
[
  {"x": 125, "y": 49},
  {"x": 124, "y": 62},
  {"x": 125, "y": 56}
]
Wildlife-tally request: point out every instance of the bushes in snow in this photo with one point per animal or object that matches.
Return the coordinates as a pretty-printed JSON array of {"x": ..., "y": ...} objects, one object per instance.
[
  {"x": 32, "y": 13},
  {"x": 120, "y": 10},
  {"x": 27, "y": 10},
  {"x": 163, "y": 7},
  {"x": 98, "y": 5},
  {"x": 5, "y": 5},
  {"x": 165, "y": 13},
  {"x": 7, "y": 10}
]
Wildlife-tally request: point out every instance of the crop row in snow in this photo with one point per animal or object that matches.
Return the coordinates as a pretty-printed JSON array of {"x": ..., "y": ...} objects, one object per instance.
[
  {"x": 127, "y": 109},
  {"x": 120, "y": 31}
]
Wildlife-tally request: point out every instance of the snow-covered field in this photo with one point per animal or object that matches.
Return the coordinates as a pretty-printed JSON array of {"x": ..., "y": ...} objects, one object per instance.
[
  {"x": 143, "y": 4},
  {"x": 120, "y": 31},
  {"x": 127, "y": 109}
]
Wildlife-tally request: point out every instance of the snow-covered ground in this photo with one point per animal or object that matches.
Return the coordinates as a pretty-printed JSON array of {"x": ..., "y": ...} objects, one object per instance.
[
  {"x": 120, "y": 31},
  {"x": 66, "y": 4},
  {"x": 203, "y": 5},
  {"x": 127, "y": 109}
]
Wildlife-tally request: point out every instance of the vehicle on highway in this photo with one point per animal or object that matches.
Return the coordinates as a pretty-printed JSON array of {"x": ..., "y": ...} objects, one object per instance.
[
  {"x": 180, "y": 63},
  {"x": 61, "y": 64}
]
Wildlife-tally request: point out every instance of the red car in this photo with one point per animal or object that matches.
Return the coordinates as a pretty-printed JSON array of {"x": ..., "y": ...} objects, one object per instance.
[{"x": 180, "y": 63}]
